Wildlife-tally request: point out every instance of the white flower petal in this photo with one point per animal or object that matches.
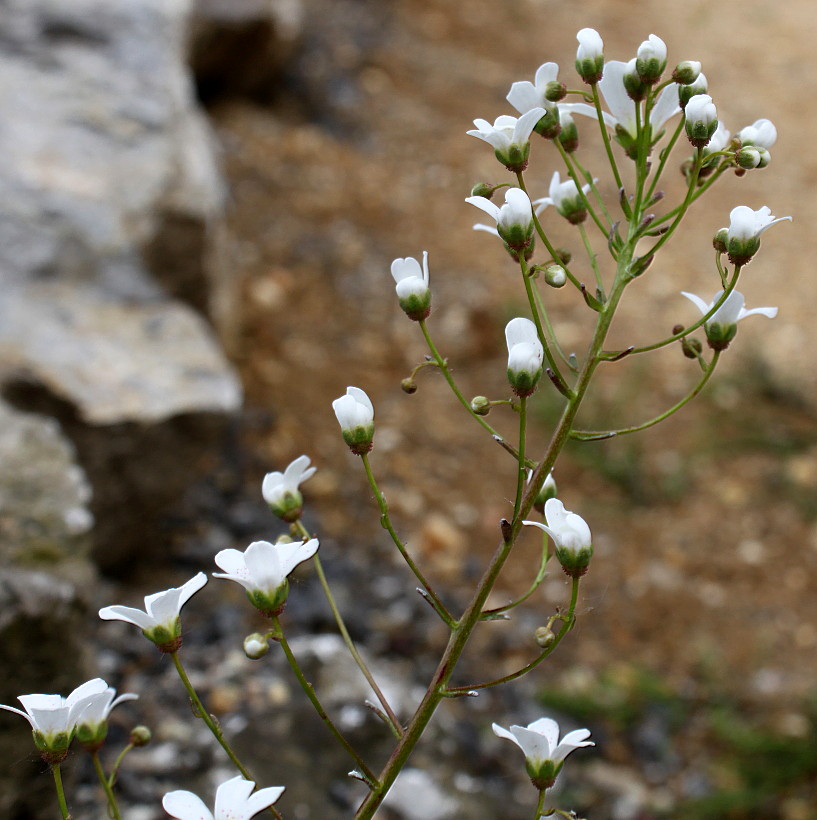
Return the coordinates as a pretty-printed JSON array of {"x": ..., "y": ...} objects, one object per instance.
[{"x": 185, "y": 805}]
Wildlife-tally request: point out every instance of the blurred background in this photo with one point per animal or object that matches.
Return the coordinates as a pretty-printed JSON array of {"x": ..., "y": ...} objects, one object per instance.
[{"x": 200, "y": 203}]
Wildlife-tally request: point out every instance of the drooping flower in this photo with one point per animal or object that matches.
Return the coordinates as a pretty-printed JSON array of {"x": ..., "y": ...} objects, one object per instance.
[
  {"x": 544, "y": 754},
  {"x": 514, "y": 220},
  {"x": 92, "y": 721},
  {"x": 412, "y": 287},
  {"x": 701, "y": 119},
  {"x": 160, "y": 621},
  {"x": 744, "y": 231},
  {"x": 566, "y": 198},
  {"x": 544, "y": 92},
  {"x": 282, "y": 490},
  {"x": 620, "y": 115},
  {"x": 590, "y": 55},
  {"x": 722, "y": 326},
  {"x": 510, "y": 137},
  {"x": 355, "y": 414},
  {"x": 235, "y": 800},
  {"x": 262, "y": 570},
  {"x": 573, "y": 543},
  {"x": 53, "y": 718},
  {"x": 761, "y": 133},
  {"x": 525, "y": 355}
]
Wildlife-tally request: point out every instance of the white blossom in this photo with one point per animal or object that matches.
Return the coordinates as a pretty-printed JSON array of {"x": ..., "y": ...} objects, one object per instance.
[
  {"x": 563, "y": 195},
  {"x": 282, "y": 490},
  {"x": 508, "y": 131},
  {"x": 621, "y": 109},
  {"x": 525, "y": 95},
  {"x": 761, "y": 134},
  {"x": 411, "y": 279},
  {"x": 731, "y": 311},
  {"x": 525, "y": 355},
  {"x": 744, "y": 223},
  {"x": 262, "y": 569},
  {"x": 160, "y": 619},
  {"x": 515, "y": 213},
  {"x": 573, "y": 543},
  {"x": 235, "y": 800},
  {"x": 591, "y": 46}
]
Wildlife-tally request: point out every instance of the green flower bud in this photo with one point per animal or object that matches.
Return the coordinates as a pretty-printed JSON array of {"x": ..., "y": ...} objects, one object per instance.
[
  {"x": 256, "y": 646},
  {"x": 140, "y": 736},
  {"x": 481, "y": 405}
]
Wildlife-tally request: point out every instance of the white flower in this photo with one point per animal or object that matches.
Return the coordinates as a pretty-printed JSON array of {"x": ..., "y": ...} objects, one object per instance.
[
  {"x": 653, "y": 48},
  {"x": 262, "y": 570},
  {"x": 744, "y": 231},
  {"x": 508, "y": 131},
  {"x": 544, "y": 754},
  {"x": 235, "y": 800},
  {"x": 525, "y": 355},
  {"x": 355, "y": 414},
  {"x": 92, "y": 720},
  {"x": 591, "y": 46},
  {"x": 761, "y": 134},
  {"x": 721, "y": 327},
  {"x": 651, "y": 59},
  {"x": 701, "y": 119},
  {"x": 160, "y": 620},
  {"x": 621, "y": 109},
  {"x": 744, "y": 223},
  {"x": 514, "y": 220},
  {"x": 412, "y": 286},
  {"x": 53, "y": 718},
  {"x": 565, "y": 196},
  {"x": 281, "y": 490},
  {"x": 525, "y": 95},
  {"x": 573, "y": 543}
]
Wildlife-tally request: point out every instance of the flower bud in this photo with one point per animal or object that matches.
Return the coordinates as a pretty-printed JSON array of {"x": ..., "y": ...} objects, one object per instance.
[
  {"x": 687, "y": 92},
  {"x": 555, "y": 276},
  {"x": 651, "y": 59},
  {"x": 413, "y": 292},
  {"x": 719, "y": 240},
  {"x": 355, "y": 414},
  {"x": 480, "y": 405},
  {"x": 555, "y": 91},
  {"x": 691, "y": 347},
  {"x": 544, "y": 636},
  {"x": 256, "y": 646},
  {"x": 408, "y": 385},
  {"x": 525, "y": 356},
  {"x": 701, "y": 119},
  {"x": 140, "y": 736},
  {"x": 635, "y": 87},
  {"x": 687, "y": 72},
  {"x": 569, "y": 134},
  {"x": 483, "y": 189},
  {"x": 590, "y": 55},
  {"x": 548, "y": 491}
]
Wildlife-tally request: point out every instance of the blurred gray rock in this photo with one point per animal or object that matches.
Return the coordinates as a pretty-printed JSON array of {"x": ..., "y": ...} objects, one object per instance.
[
  {"x": 44, "y": 493},
  {"x": 110, "y": 208}
]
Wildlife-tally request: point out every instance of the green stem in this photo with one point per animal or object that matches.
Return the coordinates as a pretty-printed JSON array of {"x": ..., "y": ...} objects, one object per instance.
[
  {"x": 694, "y": 198},
  {"x": 593, "y": 259},
  {"x": 579, "y": 187},
  {"x": 520, "y": 473},
  {"x": 211, "y": 724},
  {"x": 596, "y": 435},
  {"x": 391, "y": 719},
  {"x": 588, "y": 178},
  {"x": 100, "y": 773},
  {"x": 55, "y": 770},
  {"x": 568, "y": 622},
  {"x": 695, "y": 325},
  {"x": 385, "y": 522},
  {"x": 543, "y": 236},
  {"x": 540, "y": 805},
  {"x": 117, "y": 763},
  {"x": 554, "y": 368},
  {"x": 365, "y": 772},
  {"x": 607, "y": 147},
  {"x": 665, "y": 152},
  {"x": 442, "y": 364},
  {"x": 493, "y": 614},
  {"x": 540, "y": 304},
  {"x": 473, "y": 613}
]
